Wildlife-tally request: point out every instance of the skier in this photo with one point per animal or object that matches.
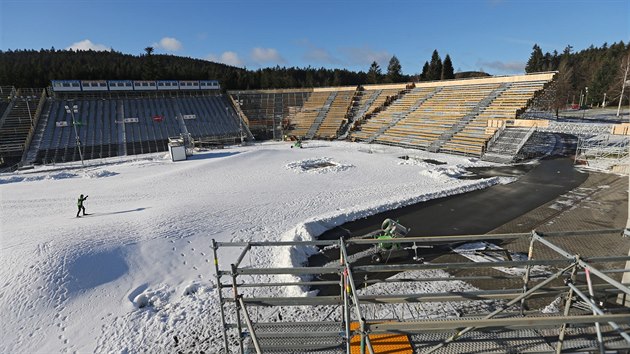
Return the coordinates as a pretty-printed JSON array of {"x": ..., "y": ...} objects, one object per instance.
[
  {"x": 80, "y": 205},
  {"x": 298, "y": 144}
]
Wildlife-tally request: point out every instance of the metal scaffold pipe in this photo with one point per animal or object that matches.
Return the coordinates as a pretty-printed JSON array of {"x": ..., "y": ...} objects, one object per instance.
[{"x": 460, "y": 333}]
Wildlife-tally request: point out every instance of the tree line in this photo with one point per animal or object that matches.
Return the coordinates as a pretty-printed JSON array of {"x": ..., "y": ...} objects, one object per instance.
[
  {"x": 588, "y": 76},
  {"x": 36, "y": 68}
]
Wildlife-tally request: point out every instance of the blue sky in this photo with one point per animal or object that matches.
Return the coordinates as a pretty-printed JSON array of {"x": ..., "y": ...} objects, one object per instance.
[{"x": 491, "y": 35}]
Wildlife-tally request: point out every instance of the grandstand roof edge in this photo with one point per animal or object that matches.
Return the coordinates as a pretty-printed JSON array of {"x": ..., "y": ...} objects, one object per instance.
[
  {"x": 335, "y": 88},
  {"x": 287, "y": 90},
  {"x": 548, "y": 75},
  {"x": 401, "y": 86}
]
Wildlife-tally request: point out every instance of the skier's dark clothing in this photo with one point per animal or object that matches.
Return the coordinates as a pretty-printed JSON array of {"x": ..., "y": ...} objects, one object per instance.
[{"x": 80, "y": 204}]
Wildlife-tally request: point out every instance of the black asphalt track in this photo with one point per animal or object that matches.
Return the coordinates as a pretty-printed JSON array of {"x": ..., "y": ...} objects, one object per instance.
[{"x": 480, "y": 211}]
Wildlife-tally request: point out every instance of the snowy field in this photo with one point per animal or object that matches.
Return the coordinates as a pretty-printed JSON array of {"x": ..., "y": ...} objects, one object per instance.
[{"x": 137, "y": 271}]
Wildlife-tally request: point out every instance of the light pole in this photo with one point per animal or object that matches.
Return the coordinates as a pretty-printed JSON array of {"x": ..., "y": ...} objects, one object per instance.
[
  {"x": 72, "y": 111},
  {"x": 586, "y": 96},
  {"x": 240, "y": 119},
  {"x": 585, "y": 102}
]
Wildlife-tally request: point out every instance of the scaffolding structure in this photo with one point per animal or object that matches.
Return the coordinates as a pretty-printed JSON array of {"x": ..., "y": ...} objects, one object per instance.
[
  {"x": 269, "y": 112},
  {"x": 603, "y": 150},
  {"x": 590, "y": 322}
]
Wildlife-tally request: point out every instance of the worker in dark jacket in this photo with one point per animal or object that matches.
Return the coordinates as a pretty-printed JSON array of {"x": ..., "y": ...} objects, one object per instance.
[{"x": 80, "y": 204}]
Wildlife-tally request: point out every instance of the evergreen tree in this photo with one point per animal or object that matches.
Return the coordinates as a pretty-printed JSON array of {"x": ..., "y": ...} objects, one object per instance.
[
  {"x": 601, "y": 82},
  {"x": 448, "y": 72},
  {"x": 374, "y": 74},
  {"x": 435, "y": 67},
  {"x": 546, "y": 65},
  {"x": 536, "y": 60},
  {"x": 562, "y": 86},
  {"x": 149, "y": 67},
  {"x": 394, "y": 70},
  {"x": 425, "y": 71},
  {"x": 555, "y": 61}
]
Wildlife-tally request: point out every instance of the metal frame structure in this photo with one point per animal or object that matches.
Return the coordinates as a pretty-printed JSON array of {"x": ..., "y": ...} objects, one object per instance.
[
  {"x": 511, "y": 313},
  {"x": 612, "y": 148},
  {"x": 270, "y": 109}
]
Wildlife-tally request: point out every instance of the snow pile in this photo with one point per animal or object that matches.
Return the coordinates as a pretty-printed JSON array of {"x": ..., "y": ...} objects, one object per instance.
[
  {"x": 43, "y": 177},
  {"x": 433, "y": 168},
  {"x": 317, "y": 165},
  {"x": 99, "y": 174},
  {"x": 440, "y": 172},
  {"x": 138, "y": 274}
]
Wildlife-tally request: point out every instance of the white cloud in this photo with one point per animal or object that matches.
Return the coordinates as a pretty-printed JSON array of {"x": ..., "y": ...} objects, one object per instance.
[
  {"x": 228, "y": 58},
  {"x": 169, "y": 44},
  {"x": 87, "y": 44},
  {"x": 317, "y": 55},
  {"x": 511, "y": 67},
  {"x": 266, "y": 55},
  {"x": 365, "y": 56}
]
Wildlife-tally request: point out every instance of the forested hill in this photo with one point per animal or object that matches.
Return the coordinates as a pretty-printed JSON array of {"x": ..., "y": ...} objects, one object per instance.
[
  {"x": 590, "y": 73},
  {"x": 32, "y": 68}
]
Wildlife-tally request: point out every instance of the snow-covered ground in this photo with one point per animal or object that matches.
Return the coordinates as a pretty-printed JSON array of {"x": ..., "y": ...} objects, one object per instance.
[{"x": 137, "y": 271}]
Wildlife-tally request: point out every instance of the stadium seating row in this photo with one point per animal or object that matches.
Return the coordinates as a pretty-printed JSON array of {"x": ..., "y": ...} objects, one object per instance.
[{"x": 133, "y": 126}]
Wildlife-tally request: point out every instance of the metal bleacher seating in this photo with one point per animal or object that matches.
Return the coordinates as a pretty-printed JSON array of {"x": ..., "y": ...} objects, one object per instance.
[
  {"x": 101, "y": 129},
  {"x": 18, "y": 120}
]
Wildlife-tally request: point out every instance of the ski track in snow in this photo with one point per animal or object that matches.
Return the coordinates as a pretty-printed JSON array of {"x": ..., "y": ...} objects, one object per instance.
[{"x": 138, "y": 273}]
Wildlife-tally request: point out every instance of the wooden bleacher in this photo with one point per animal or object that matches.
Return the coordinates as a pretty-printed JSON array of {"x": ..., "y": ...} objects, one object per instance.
[
  {"x": 385, "y": 117},
  {"x": 472, "y": 139},
  {"x": 304, "y": 118},
  {"x": 336, "y": 115},
  {"x": 436, "y": 115},
  {"x": 442, "y": 113},
  {"x": 447, "y": 116}
]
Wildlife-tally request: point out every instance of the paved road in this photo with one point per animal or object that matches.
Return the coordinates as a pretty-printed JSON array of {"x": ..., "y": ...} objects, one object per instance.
[{"x": 480, "y": 211}]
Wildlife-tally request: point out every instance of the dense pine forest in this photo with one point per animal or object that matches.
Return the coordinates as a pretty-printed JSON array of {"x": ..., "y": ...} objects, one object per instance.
[
  {"x": 32, "y": 68},
  {"x": 601, "y": 69}
]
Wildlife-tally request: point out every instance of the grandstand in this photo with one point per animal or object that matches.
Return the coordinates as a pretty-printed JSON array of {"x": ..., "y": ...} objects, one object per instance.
[
  {"x": 452, "y": 116},
  {"x": 314, "y": 109},
  {"x": 336, "y": 115},
  {"x": 111, "y": 118},
  {"x": 20, "y": 110},
  {"x": 324, "y": 113},
  {"x": 374, "y": 97},
  {"x": 126, "y": 117}
]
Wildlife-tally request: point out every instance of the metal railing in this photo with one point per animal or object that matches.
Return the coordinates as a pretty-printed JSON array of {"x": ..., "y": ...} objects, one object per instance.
[{"x": 350, "y": 302}]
